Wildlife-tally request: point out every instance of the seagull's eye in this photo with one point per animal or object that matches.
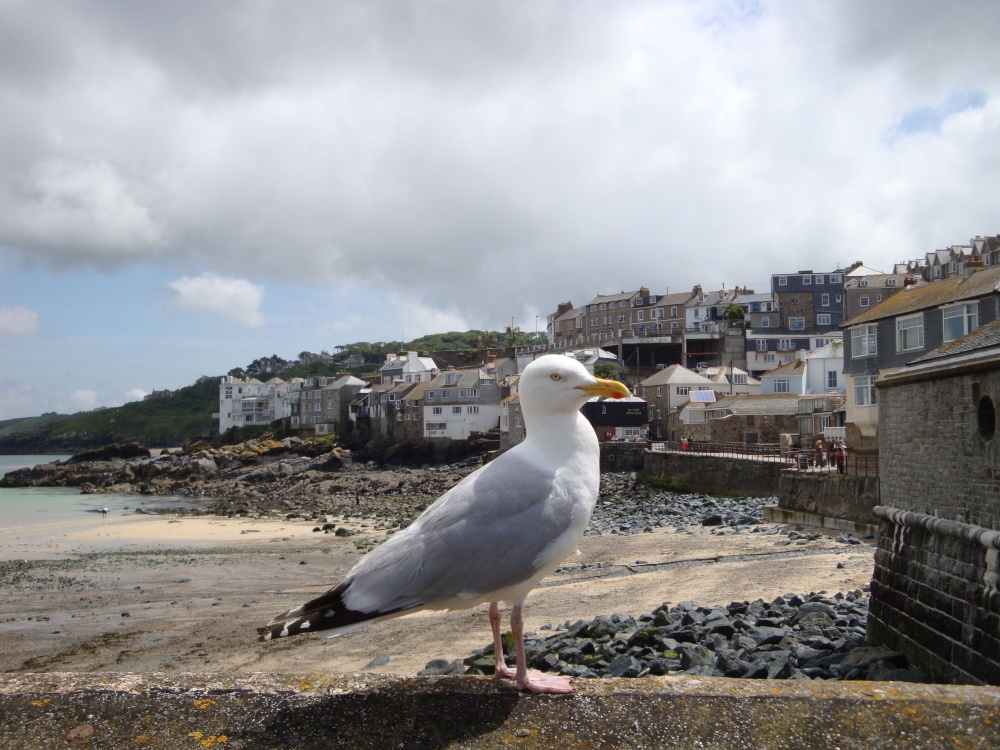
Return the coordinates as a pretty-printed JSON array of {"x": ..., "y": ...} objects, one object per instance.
[{"x": 556, "y": 376}]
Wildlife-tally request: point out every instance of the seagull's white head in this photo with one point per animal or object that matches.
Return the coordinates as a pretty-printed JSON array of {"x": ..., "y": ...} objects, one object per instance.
[{"x": 557, "y": 383}]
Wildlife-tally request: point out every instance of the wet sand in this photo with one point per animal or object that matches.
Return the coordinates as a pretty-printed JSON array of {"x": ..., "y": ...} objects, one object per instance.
[{"x": 138, "y": 593}]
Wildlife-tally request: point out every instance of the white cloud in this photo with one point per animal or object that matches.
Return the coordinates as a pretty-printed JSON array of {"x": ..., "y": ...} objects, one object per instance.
[
  {"x": 86, "y": 205},
  {"x": 19, "y": 399},
  {"x": 418, "y": 319},
  {"x": 237, "y": 299},
  {"x": 82, "y": 400},
  {"x": 17, "y": 321},
  {"x": 475, "y": 157},
  {"x": 135, "y": 394}
]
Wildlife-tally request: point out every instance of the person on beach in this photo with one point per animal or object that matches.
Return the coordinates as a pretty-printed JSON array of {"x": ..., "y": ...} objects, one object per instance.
[{"x": 104, "y": 512}]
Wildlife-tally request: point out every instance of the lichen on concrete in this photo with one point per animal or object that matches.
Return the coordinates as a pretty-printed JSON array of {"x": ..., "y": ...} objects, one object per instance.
[{"x": 262, "y": 711}]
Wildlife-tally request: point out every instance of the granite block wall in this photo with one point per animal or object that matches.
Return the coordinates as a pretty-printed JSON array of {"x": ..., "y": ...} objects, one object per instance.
[{"x": 935, "y": 588}]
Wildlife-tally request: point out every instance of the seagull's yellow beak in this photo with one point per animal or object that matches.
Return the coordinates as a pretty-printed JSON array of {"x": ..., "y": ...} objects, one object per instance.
[{"x": 609, "y": 388}]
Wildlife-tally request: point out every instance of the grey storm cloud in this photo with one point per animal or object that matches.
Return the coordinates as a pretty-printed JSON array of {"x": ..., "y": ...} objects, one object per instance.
[{"x": 472, "y": 152}]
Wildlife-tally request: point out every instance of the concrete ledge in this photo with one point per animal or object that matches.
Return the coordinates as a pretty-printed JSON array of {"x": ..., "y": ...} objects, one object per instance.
[{"x": 382, "y": 711}]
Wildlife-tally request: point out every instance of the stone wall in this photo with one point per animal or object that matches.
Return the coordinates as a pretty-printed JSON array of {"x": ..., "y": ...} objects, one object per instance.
[
  {"x": 713, "y": 475},
  {"x": 623, "y": 456},
  {"x": 843, "y": 496},
  {"x": 935, "y": 591},
  {"x": 932, "y": 458},
  {"x": 934, "y": 596}
]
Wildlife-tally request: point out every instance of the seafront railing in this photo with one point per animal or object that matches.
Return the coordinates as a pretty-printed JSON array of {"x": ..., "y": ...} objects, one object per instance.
[{"x": 853, "y": 464}]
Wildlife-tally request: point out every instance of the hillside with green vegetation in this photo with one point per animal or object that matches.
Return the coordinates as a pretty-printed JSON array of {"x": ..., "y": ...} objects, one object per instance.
[
  {"x": 157, "y": 423},
  {"x": 187, "y": 414}
]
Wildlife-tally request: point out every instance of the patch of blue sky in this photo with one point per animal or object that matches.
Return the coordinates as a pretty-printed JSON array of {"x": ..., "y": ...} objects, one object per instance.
[
  {"x": 930, "y": 118},
  {"x": 726, "y": 15}
]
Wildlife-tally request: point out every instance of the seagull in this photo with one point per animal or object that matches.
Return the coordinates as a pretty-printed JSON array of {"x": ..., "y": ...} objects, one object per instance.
[{"x": 494, "y": 535}]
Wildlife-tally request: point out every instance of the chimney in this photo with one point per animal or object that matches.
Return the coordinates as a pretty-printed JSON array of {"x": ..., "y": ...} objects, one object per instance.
[
  {"x": 564, "y": 307},
  {"x": 697, "y": 289}
]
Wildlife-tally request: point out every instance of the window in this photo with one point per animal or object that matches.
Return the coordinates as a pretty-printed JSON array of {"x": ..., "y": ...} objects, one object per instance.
[
  {"x": 824, "y": 300},
  {"x": 890, "y": 282},
  {"x": 593, "y": 322},
  {"x": 807, "y": 280},
  {"x": 824, "y": 319},
  {"x": 795, "y": 300},
  {"x": 456, "y": 410},
  {"x": 864, "y": 341},
  {"x": 782, "y": 385},
  {"x": 819, "y": 279},
  {"x": 769, "y": 358},
  {"x": 658, "y": 391},
  {"x": 831, "y": 379},
  {"x": 621, "y": 319},
  {"x": 865, "y": 301},
  {"x": 863, "y": 282},
  {"x": 960, "y": 320},
  {"x": 683, "y": 390},
  {"x": 638, "y": 316},
  {"x": 864, "y": 390},
  {"x": 782, "y": 281},
  {"x": 797, "y": 323},
  {"x": 835, "y": 278},
  {"x": 471, "y": 409},
  {"x": 765, "y": 322},
  {"x": 436, "y": 410},
  {"x": 910, "y": 333},
  {"x": 604, "y": 306},
  {"x": 673, "y": 312},
  {"x": 761, "y": 345},
  {"x": 784, "y": 344}
]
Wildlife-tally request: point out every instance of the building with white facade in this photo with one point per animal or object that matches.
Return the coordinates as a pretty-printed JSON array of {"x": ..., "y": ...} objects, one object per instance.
[{"x": 460, "y": 402}]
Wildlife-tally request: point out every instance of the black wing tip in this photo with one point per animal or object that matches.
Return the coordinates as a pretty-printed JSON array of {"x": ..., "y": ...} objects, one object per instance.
[{"x": 325, "y": 612}]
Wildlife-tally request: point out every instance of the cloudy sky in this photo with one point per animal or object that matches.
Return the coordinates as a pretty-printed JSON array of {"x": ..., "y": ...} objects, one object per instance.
[{"x": 188, "y": 185}]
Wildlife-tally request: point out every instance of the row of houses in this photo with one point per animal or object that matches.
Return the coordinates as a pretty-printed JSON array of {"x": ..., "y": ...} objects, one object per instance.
[{"x": 802, "y": 311}]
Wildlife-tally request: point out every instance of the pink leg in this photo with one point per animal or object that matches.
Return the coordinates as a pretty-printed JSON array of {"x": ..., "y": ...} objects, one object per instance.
[
  {"x": 532, "y": 680},
  {"x": 501, "y": 669}
]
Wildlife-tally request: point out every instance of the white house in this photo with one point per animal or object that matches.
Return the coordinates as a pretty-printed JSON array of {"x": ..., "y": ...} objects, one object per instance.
[
  {"x": 460, "y": 402},
  {"x": 243, "y": 403},
  {"x": 408, "y": 368}
]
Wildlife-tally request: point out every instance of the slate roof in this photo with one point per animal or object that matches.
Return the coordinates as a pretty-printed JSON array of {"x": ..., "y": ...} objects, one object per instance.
[
  {"x": 670, "y": 300},
  {"x": 675, "y": 375},
  {"x": 981, "y": 338},
  {"x": 344, "y": 381},
  {"x": 747, "y": 405},
  {"x": 915, "y": 298},
  {"x": 793, "y": 368},
  {"x": 603, "y": 298}
]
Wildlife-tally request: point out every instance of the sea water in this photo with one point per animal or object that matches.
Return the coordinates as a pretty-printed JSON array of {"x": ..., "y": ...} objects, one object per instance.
[{"x": 52, "y": 511}]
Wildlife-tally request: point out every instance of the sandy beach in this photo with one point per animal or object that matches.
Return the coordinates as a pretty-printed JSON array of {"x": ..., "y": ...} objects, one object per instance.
[{"x": 137, "y": 593}]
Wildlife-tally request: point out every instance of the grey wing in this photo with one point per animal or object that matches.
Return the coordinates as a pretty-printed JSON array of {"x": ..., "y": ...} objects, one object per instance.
[{"x": 485, "y": 534}]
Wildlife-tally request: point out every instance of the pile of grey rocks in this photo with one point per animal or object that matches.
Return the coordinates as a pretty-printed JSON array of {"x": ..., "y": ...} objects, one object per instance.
[{"x": 805, "y": 637}]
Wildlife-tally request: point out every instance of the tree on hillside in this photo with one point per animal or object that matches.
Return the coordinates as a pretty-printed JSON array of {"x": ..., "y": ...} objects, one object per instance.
[
  {"x": 607, "y": 370},
  {"x": 510, "y": 334},
  {"x": 732, "y": 311}
]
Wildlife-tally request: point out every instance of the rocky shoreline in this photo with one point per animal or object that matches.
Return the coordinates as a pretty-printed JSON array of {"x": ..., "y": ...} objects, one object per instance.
[
  {"x": 290, "y": 477},
  {"x": 795, "y": 636}
]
